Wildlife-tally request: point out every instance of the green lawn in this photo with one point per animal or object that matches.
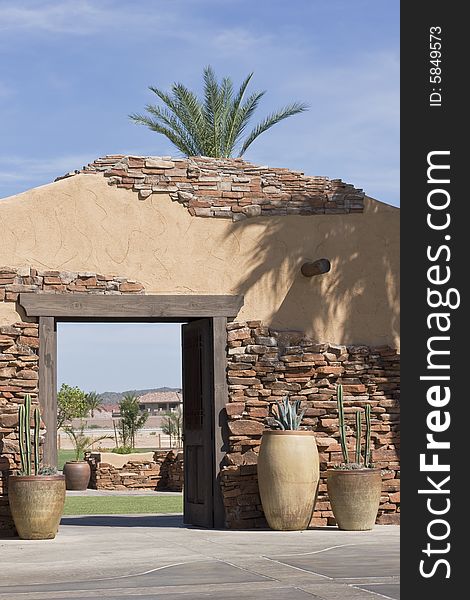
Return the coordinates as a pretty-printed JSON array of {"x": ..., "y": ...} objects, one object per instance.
[
  {"x": 65, "y": 455},
  {"x": 122, "y": 505}
]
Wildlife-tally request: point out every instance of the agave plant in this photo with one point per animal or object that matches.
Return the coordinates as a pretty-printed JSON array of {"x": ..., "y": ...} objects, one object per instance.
[{"x": 289, "y": 415}]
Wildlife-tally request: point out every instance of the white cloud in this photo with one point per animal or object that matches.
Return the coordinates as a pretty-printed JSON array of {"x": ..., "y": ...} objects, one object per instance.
[
  {"x": 63, "y": 17},
  {"x": 238, "y": 40},
  {"x": 80, "y": 17},
  {"x": 31, "y": 172}
]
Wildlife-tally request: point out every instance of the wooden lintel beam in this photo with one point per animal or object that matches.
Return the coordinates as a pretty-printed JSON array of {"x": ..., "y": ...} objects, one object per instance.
[{"x": 130, "y": 306}]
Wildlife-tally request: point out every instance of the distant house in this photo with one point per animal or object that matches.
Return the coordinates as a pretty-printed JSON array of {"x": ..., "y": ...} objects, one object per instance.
[{"x": 161, "y": 402}]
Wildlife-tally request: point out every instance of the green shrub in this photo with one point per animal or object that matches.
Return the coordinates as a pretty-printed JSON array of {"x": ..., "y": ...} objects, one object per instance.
[{"x": 123, "y": 450}]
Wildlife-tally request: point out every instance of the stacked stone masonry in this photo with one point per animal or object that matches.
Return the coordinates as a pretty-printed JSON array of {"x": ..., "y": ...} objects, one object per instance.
[
  {"x": 19, "y": 346},
  {"x": 18, "y": 376},
  {"x": 228, "y": 188},
  {"x": 26, "y": 279},
  {"x": 164, "y": 472},
  {"x": 264, "y": 366}
]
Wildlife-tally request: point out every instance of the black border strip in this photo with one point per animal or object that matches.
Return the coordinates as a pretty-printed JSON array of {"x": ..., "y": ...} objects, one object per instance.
[{"x": 433, "y": 124}]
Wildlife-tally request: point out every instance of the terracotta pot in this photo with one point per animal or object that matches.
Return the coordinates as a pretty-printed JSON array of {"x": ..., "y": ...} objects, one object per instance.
[
  {"x": 77, "y": 475},
  {"x": 288, "y": 476},
  {"x": 37, "y": 504},
  {"x": 355, "y": 497}
]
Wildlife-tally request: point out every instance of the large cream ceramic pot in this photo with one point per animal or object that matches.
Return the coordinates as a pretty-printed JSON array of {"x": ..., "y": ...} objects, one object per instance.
[{"x": 288, "y": 476}]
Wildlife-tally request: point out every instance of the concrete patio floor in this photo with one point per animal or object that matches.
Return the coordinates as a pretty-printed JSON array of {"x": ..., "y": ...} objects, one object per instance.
[{"x": 143, "y": 557}]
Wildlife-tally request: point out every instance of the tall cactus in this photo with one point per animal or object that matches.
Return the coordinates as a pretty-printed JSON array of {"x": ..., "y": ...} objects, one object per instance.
[
  {"x": 37, "y": 429},
  {"x": 22, "y": 428},
  {"x": 342, "y": 432},
  {"x": 26, "y": 447},
  {"x": 367, "y": 457},
  {"x": 342, "y": 428},
  {"x": 358, "y": 436}
]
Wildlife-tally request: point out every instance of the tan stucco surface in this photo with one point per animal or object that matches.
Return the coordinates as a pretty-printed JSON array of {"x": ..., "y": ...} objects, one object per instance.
[{"x": 83, "y": 224}]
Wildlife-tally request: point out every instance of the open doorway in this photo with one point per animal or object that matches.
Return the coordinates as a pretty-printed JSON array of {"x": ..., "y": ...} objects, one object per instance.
[
  {"x": 166, "y": 369},
  {"x": 204, "y": 381},
  {"x": 120, "y": 412}
]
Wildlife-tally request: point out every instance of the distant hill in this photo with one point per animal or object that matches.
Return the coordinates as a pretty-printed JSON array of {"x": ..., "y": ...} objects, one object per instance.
[{"x": 115, "y": 397}]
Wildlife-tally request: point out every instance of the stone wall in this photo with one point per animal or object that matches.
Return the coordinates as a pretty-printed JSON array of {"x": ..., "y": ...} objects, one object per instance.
[
  {"x": 19, "y": 346},
  {"x": 265, "y": 365},
  {"x": 164, "y": 472},
  {"x": 26, "y": 279},
  {"x": 228, "y": 188},
  {"x": 18, "y": 376}
]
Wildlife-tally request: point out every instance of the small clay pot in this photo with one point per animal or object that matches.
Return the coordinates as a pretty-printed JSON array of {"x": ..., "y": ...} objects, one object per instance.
[{"x": 77, "y": 475}]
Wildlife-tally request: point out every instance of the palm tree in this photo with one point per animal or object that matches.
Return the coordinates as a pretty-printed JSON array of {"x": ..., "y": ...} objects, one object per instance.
[
  {"x": 132, "y": 419},
  {"x": 214, "y": 126},
  {"x": 94, "y": 402},
  {"x": 172, "y": 425}
]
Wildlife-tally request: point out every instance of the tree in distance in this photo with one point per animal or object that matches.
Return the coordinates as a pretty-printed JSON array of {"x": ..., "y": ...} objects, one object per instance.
[
  {"x": 94, "y": 402},
  {"x": 71, "y": 404},
  {"x": 132, "y": 419}
]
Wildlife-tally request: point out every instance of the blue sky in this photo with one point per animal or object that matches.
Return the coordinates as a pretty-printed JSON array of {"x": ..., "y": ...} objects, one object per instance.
[
  {"x": 72, "y": 71},
  {"x": 109, "y": 357}
]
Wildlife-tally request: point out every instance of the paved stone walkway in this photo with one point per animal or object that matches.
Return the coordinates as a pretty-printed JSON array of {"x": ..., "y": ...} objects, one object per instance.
[{"x": 155, "y": 556}]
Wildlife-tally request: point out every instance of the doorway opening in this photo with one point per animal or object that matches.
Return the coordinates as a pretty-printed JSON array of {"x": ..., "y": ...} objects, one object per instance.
[
  {"x": 203, "y": 321},
  {"x": 120, "y": 412}
]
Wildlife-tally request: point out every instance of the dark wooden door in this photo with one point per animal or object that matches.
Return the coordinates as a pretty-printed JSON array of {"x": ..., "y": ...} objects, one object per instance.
[{"x": 198, "y": 422}]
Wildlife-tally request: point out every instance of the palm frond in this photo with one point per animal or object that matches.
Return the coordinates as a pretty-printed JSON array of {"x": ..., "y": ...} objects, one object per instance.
[
  {"x": 190, "y": 113},
  {"x": 215, "y": 125},
  {"x": 270, "y": 120},
  {"x": 167, "y": 118},
  {"x": 211, "y": 109},
  {"x": 186, "y": 109},
  {"x": 231, "y": 120},
  {"x": 243, "y": 116},
  {"x": 167, "y": 132}
]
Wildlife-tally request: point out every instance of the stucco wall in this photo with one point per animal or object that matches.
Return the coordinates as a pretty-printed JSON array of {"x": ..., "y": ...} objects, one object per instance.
[{"x": 83, "y": 224}]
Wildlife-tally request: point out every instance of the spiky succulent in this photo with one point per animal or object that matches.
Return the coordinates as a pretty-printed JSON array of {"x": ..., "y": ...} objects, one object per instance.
[
  {"x": 47, "y": 470},
  {"x": 289, "y": 414}
]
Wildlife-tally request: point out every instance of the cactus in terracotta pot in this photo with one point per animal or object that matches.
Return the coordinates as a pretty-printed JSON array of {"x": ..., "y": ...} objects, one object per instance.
[
  {"x": 37, "y": 494},
  {"x": 354, "y": 488}
]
